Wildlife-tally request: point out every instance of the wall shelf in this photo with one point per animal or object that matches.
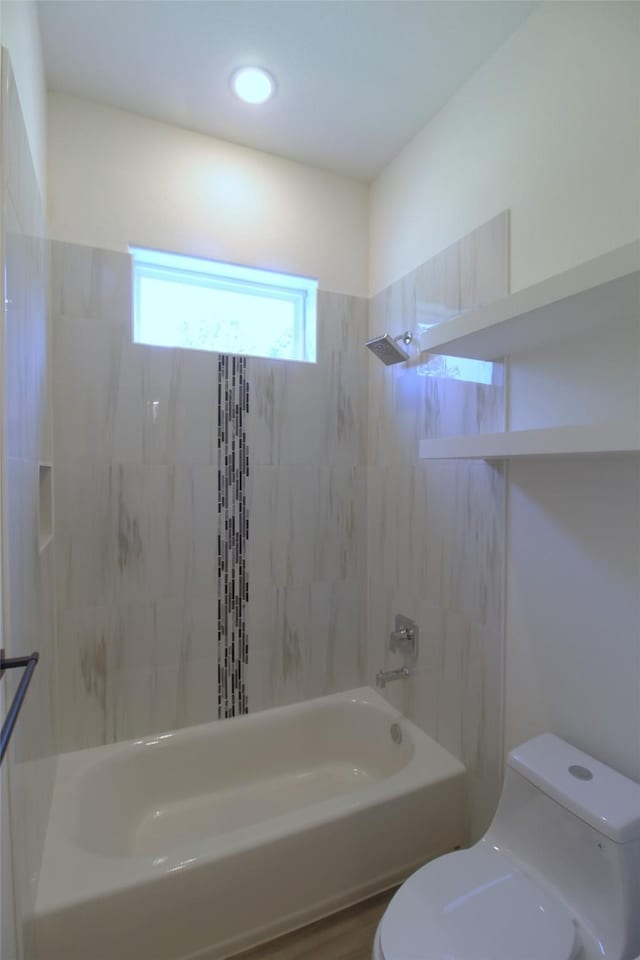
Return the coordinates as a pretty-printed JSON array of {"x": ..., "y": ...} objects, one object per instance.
[
  {"x": 598, "y": 292},
  {"x": 585, "y": 439}
]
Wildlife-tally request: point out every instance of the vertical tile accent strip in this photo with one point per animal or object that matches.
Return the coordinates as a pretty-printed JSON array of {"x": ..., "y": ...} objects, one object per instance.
[{"x": 233, "y": 535}]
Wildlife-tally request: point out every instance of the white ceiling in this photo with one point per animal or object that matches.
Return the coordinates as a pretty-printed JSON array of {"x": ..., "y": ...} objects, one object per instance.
[{"x": 356, "y": 78}]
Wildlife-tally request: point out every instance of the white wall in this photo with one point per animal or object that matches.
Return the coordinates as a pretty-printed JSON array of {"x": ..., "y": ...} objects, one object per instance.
[
  {"x": 573, "y": 605},
  {"x": 117, "y": 178},
  {"x": 573, "y": 553},
  {"x": 547, "y": 127},
  {"x": 20, "y": 34}
]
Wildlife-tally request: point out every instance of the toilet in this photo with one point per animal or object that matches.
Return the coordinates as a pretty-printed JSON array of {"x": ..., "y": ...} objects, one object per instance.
[{"x": 556, "y": 877}]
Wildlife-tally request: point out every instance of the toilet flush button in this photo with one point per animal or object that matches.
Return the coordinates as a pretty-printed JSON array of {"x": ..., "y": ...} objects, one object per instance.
[{"x": 579, "y": 772}]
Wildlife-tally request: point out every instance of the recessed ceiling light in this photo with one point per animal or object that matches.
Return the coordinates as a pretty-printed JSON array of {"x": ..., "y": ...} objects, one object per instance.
[{"x": 253, "y": 84}]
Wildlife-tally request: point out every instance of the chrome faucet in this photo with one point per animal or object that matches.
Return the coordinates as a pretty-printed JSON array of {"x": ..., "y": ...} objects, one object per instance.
[{"x": 383, "y": 677}]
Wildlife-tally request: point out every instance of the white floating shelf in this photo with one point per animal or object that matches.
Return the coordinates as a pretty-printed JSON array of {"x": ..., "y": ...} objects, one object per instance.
[
  {"x": 600, "y": 291},
  {"x": 604, "y": 438}
]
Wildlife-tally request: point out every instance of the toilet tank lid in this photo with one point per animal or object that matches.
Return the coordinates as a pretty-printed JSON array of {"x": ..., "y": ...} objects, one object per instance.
[{"x": 604, "y": 798}]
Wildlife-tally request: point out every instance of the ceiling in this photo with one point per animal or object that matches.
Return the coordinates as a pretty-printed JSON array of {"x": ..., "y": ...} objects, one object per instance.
[{"x": 356, "y": 78}]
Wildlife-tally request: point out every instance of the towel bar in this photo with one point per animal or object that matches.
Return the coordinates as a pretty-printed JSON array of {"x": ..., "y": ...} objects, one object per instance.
[{"x": 11, "y": 663}]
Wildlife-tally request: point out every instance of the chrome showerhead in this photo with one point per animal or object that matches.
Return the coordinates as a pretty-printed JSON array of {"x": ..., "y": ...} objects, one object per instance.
[{"x": 387, "y": 348}]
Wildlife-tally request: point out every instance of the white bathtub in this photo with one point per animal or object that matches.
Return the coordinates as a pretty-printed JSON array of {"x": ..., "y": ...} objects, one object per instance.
[{"x": 205, "y": 841}]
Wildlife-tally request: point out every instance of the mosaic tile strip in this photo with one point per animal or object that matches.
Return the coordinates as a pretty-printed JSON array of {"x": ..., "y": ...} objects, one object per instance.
[{"x": 233, "y": 535}]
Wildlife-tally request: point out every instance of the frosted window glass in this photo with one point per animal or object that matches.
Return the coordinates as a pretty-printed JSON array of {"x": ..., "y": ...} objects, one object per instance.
[{"x": 204, "y": 305}]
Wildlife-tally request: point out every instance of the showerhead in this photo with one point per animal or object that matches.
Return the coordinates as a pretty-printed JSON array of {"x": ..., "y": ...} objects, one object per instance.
[{"x": 387, "y": 348}]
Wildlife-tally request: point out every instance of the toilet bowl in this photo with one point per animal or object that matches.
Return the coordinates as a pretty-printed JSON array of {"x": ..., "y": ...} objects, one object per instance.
[{"x": 556, "y": 877}]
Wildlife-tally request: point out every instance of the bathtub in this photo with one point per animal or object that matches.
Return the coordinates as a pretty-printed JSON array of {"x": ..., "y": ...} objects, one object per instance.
[{"x": 205, "y": 841}]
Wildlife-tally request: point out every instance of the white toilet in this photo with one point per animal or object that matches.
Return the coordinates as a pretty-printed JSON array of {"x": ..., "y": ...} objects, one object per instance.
[{"x": 556, "y": 877}]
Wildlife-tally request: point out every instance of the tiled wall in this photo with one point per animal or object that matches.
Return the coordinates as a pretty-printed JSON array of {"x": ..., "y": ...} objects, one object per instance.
[
  {"x": 29, "y": 616},
  {"x": 435, "y": 529},
  {"x": 137, "y": 580},
  {"x": 335, "y": 486},
  {"x": 307, "y": 549}
]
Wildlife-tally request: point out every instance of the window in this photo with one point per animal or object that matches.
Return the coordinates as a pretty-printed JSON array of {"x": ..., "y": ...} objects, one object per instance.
[{"x": 197, "y": 304}]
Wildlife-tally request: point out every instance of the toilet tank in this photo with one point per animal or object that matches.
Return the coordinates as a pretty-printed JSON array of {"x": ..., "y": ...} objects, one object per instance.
[{"x": 575, "y": 824}]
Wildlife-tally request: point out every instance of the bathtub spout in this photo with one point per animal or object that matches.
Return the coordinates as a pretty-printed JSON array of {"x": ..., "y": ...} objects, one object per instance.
[{"x": 384, "y": 677}]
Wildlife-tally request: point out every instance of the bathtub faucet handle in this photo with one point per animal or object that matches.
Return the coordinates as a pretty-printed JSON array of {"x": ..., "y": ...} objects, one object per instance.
[{"x": 404, "y": 638}]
